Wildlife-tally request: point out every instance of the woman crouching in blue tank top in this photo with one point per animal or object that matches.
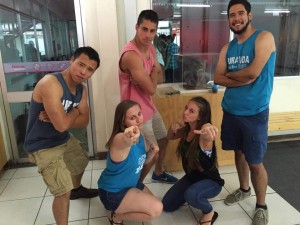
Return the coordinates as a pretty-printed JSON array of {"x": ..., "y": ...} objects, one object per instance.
[{"x": 119, "y": 188}]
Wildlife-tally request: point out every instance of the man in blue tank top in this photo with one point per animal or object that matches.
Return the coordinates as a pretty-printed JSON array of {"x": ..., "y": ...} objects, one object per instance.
[
  {"x": 246, "y": 68},
  {"x": 59, "y": 102}
]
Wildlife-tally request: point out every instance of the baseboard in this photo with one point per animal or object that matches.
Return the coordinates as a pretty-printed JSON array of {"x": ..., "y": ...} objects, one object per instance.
[
  {"x": 101, "y": 155},
  {"x": 284, "y": 137}
]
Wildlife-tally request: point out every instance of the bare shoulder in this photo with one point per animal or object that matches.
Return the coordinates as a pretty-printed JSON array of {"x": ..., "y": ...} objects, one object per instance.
[
  {"x": 129, "y": 60},
  {"x": 48, "y": 85},
  {"x": 223, "y": 51},
  {"x": 266, "y": 38},
  {"x": 49, "y": 82},
  {"x": 266, "y": 34},
  {"x": 130, "y": 56}
]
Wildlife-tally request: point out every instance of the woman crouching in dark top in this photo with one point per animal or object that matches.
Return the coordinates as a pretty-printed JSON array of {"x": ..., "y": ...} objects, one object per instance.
[{"x": 198, "y": 154}]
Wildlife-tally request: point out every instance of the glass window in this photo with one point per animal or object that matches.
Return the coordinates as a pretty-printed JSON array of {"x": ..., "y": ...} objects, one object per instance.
[
  {"x": 36, "y": 11},
  {"x": 24, "y": 6},
  {"x": 201, "y": 27},
  {"x": 8, "y": 3}
]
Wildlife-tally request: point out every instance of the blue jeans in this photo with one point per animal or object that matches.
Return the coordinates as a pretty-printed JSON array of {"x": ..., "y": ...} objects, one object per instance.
[{"x": 194, "y": 193}]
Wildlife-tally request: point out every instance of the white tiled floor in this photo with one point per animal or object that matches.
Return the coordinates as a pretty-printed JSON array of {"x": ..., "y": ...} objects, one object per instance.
[{"x": 25, "y": 200}]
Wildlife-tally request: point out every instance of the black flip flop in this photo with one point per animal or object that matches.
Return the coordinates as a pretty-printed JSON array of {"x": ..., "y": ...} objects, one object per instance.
[
  {"x": 213, "y": 219},
  {"x": 111, "y": 219}
]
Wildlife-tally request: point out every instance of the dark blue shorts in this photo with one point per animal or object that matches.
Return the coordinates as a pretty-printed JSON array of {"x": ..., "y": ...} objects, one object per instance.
[
  {"x": 112, "y": 200},
  {"x": 248, "y": 134}
]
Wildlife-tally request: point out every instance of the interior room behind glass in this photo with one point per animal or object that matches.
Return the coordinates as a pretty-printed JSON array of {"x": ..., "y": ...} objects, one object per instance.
[{"x": 200, "y": 28}]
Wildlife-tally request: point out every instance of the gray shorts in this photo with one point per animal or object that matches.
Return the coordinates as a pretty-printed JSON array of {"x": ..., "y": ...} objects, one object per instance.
[{"x": 154, "y": 130}]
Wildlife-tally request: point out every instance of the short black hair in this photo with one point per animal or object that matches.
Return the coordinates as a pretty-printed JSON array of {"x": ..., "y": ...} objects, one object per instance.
[
  {"x": 148, "y": 14},
  {"x": 90, "y": 52},
  {"x": 170, "y": 37},
  {"x": 245, "y": 3}
]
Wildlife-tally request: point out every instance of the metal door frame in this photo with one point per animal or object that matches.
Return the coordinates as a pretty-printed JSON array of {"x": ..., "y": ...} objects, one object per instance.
[{"x": 25, "y": 96}]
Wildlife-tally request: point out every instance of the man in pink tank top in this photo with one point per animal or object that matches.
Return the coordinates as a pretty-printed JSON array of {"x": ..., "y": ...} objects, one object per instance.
[{"x": 139, "y": 74}]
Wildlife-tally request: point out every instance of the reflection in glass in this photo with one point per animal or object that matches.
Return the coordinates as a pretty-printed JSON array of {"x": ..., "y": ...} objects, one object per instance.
[
  {"x": 206, "y": 30},
  {"x": 19, "y": 113}
]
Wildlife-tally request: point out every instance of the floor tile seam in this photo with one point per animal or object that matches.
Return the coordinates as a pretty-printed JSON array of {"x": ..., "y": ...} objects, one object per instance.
[
  {"x": 97, "y": 217},
  {"x": 40, "y": 207},
  {"x": 12, "y": 174},
  {"x": 4, "y": 188},
  {"x": 250, "y": 216},
  {"x": 20, "y": 199},
  {"x": 15, "y": 178},
  {"x": 216, "y": 200},
  {"x": 193, "y": 213},
  {"x": 226, "y": 173}
]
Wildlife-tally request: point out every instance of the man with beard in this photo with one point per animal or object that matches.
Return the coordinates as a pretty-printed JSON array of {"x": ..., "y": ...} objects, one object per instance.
[{"x": 246, "y": 67}]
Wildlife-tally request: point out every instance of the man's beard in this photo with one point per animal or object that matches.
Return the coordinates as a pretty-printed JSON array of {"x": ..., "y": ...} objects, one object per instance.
[{"x": 242, "y": 30}]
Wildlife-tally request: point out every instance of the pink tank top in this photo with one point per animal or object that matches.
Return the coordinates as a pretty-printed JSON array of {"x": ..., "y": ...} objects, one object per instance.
[{"x": 133, "y": 92}]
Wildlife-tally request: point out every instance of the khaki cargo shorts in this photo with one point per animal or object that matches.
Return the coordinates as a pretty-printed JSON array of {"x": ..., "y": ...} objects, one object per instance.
[{"x": 57, "y": 164}]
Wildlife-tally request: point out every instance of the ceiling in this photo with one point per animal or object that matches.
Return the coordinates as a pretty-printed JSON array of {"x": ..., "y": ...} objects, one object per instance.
[{"x": 168, "y": 9}]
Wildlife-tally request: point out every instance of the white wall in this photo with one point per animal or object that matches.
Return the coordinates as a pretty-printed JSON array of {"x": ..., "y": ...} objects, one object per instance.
[
  {"x": 285, "y": 97},
  {"x": 103, "y": 30}
]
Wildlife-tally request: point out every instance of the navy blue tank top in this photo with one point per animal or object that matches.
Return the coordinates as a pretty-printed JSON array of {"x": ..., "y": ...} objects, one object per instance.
[{"x": 41, "y": 135}]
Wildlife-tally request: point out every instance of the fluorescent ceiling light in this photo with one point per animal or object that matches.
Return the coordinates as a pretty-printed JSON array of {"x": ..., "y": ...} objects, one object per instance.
[
  {"x": 277, "y": 11},
  {"x": 193, "y": 5},
  {"x": 163, "y": 23},
  {"x": 224, "y": 12}
]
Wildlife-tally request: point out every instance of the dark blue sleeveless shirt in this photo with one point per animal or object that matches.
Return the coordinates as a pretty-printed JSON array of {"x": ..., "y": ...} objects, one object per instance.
[{"x": 41, "y": 135}]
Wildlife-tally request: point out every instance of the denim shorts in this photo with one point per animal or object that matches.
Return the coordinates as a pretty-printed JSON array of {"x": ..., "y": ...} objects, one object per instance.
[
  {"x": 112, "y": 200},
  {"x": 248, "y": 134}
]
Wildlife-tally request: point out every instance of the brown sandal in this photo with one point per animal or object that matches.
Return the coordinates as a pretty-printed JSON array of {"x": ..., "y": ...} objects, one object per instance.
[
  {"x": 213, "y": 219},
  {"x": 111, "y": 219}
]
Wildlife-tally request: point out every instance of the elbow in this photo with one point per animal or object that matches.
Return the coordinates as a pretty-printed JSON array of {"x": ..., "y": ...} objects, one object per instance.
[
  {"x": 216, "y": 81},
  {"x": 61, "y": 128},
  {"x": 151, "y": 91},
  {"x": 253, "y": 76}
]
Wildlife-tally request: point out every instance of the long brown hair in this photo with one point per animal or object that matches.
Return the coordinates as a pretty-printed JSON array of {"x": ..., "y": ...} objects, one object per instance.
[
  {"x": 205, "y": 117},
  {"x": 120, "y": 113}
]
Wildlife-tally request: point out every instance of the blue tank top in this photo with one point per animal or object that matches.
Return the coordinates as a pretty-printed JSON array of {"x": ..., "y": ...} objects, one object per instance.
[
  {"x": 117, "y": 176},
  {"x": 41, "y": 135},
  {"x": 255, "y": 97}
]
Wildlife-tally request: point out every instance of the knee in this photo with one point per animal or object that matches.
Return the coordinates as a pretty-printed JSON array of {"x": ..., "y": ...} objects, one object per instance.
[
  {"x": 162, "y": 144},
  {"x": 256, "y": 168},
  {"x": 168, "y": 206},
  {"x": 156, "y": 156},
  {"x": 156, "y": 209},
  {"x": 65, "y": 196},
  {"x": 190, "y": 195},
  {"x": 239, "y": 154}
]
